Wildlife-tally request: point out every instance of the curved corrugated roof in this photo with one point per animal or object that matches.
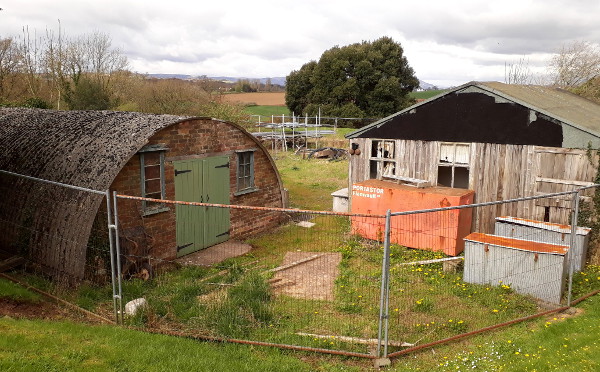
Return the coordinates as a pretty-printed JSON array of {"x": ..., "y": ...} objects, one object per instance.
[{"x": 81, "y": 148}]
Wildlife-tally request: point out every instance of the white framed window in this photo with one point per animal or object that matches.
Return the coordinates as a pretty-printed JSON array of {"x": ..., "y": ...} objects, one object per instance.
[
  {"x": 245, "y": 172},
  {"x": 382, "y": 160},
  {"x": 453, "y": 164},
  {"x": 152, "y": 172}
]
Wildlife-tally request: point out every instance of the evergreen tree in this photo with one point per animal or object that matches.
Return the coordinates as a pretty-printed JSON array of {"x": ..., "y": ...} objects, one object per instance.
[{"x": 368, "y": 79}]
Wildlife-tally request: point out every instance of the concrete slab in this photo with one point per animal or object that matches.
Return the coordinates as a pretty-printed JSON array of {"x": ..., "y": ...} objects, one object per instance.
[{"x": 215, "y": 254}]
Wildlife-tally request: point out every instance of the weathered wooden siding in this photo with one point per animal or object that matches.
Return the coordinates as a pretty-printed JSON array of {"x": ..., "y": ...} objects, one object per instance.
[{"x": 496, "y": 172}]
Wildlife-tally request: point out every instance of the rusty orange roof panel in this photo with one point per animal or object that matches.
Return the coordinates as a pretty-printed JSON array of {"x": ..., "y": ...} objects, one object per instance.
[{"x": 524, "y": 245}]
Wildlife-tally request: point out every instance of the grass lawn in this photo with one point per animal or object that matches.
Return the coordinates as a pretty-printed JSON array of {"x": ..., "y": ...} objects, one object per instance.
[
  {"x": 426, "y": 304},
  {"x": 426, "y": 94},
  {"x": 266, "y": 111},
  {"x": 37, "y": 345},
  {"x": 311, "y": 181}
]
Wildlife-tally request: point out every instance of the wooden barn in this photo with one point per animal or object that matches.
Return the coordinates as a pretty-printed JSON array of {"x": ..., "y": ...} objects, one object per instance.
[
  {"x": 156, "y": 156},
  {"x": 501, "y": 141}
]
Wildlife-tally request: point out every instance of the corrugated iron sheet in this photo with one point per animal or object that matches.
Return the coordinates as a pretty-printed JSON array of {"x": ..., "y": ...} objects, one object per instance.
[{"x": 81, "y": 148}]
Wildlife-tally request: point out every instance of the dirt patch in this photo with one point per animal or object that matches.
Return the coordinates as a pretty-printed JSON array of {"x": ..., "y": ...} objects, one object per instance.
[
  {"x": 261, "y": 99},
  {"x": 25, "y": 309},
  {"x": 313, "y": 279},
  {"x": 215, "y": 254}
]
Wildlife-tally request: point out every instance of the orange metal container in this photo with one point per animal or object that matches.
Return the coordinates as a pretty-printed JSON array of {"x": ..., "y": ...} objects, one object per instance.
[{"x": 438, "y": 231}]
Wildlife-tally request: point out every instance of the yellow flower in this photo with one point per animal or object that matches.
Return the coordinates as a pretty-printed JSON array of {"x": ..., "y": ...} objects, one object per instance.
[{"x": 495, "y": 311}]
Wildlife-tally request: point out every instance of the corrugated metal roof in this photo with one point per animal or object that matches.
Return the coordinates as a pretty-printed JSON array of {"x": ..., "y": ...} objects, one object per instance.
[
  {"x": 556, "y": 103},
  {"x": 81, "y": 148},
  {"x": 519, "y": 244}
]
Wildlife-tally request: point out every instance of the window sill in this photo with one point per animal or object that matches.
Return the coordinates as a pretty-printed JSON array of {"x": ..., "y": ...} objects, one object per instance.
[
  {"x": 151, "y": 211},
  {"x": 245, "y": 191}
]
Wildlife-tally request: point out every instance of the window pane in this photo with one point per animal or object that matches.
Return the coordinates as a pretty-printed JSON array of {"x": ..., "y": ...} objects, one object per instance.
[
  {"x": 461, "y": 177},
  {"x": 373, "y": 169},
  {"x": 153, "y": 186},
  {"x": 389, "y": 169},
  {"x": 151, "y": 158},
  {"x": 244, "y": 170},
  {"x": 152, "y": 171},
  {"x": 445, "y": 176},
  {"x": 446, "y": 153},
  {"x": 462, "y": 154}
]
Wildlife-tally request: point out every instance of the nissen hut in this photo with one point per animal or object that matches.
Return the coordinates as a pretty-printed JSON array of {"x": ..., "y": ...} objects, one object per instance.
[{"x": 196, "y": 159}]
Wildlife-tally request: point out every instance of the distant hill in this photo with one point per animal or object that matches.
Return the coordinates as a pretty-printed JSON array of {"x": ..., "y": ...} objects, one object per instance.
[
  {"x": 274, "y": 80},
  {"x": 426, "y": 86},
  {"x": 279, "y": 80}
]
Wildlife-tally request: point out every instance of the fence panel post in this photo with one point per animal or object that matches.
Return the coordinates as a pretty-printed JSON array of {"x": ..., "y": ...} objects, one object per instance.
[
  {"x": 119, "y": 295},
  {"x": 572, "y": 242},
  {"x": 382, "y": 335},
  {"x": 113, "y": 273}
]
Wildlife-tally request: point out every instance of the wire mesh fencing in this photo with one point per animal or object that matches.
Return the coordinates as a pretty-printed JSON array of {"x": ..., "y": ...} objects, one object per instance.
[
  {"x": 356, "y": 284},
  {"x": 478, "y": 266},
  {"x": 66, "y": 241},
  {"x": 277, "y": 275}
]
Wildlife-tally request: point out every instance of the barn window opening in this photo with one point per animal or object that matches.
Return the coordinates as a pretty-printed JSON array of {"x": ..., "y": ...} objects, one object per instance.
[
  {"x": 546, "y": 214},
  {"x": 152, "y": 166},
  {"x": 245, "y": 172},
  {"x": 382, "y": 162},
  {"x": 453, "y": 165}
]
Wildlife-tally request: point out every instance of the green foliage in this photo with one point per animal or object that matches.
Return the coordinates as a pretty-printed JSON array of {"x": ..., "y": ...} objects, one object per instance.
[
  {"x": 586, "y": 281},
  {"x": 225, "y": 111},
  {"x": 31, "y": 102},
  {"x": 426, "y": 94},
  {"x": 368, "y": 79},
  {"x": 15, "y": 291},
  {"x": 245, "y": 307},
  {"x": 266, "y": 110},
  {"x": 87, "y": 94},
  {"x": 39, "y": 345},
  {"x": 589, "y": 213},
  {"x": 89, "y": 296},
  {"x": 36, "y": 102}
]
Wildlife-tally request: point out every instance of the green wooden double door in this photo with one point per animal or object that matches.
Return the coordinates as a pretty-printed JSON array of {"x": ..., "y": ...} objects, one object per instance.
[{"x": 204, "y": 181}]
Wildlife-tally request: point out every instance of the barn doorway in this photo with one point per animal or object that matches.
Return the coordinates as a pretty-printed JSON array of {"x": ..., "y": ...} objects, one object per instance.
[{"x": 204, "y": 181}]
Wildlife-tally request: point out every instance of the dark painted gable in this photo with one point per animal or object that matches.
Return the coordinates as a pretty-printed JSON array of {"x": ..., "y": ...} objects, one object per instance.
[{"x": 470, "y": 117}]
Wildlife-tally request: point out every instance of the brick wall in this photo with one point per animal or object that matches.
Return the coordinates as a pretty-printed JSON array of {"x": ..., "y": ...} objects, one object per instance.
[{"x": 196, "y": 139}]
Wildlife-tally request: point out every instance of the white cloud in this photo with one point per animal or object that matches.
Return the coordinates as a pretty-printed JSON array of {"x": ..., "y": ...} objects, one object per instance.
[{"x": 446, "y": 42}]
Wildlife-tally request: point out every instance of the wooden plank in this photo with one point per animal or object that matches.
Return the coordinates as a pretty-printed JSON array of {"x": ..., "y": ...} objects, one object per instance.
[
  {"x": 411, "y": 181},
  {"x": 363, "y": 341},
  {"x": 11, "y": 263},
  {"x": 432, "y": 261},
  {"x": 558, "y": 150},
  {"x": 296, "y": 263},
  {"x": 563, "y": 182}
]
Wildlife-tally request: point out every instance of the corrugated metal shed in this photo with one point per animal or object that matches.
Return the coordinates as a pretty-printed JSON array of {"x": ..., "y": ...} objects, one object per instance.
[
  {"x": 533, "y": 268},
  {"x": 546, "y": 232}
]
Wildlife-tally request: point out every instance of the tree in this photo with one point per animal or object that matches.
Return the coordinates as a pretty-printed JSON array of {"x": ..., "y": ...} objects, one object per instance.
[
  {"x": 368, "y": 79},
  {"x": 590, "y": 89},
  {"x": 575, "y": 64},
  {"x": 88, "y": 94},
  {"x": 9, "y": 64},
  {"x": 518, "y": 73}
]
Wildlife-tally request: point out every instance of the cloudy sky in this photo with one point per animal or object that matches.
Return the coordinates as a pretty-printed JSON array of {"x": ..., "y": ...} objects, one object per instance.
[{"x": 446, "y": 42}]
